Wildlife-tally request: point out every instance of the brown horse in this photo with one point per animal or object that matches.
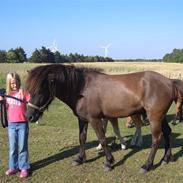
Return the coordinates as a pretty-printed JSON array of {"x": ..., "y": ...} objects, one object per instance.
[
  {"x": 137, "y": 139},
  {"x": 137, "y": 120},
  {"x": 178, "y": 100},
  {"x": 93, "y": 95},
  {"x": 116, "y": 130}
]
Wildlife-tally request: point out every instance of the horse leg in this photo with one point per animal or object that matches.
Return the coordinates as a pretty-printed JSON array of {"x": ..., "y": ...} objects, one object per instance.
[
  {"x": 137, "y": 139},
  {"x": 156, "y": 138},
  {"x": 104, "y": 123},
  {"x": 129, "y": 122},
  {"x": 178, "y": 112},
  {"x": 114, "y": 122},
  {"x": 174, "y": 119},
  {"x": 145, "y": 120},
  {"x": 167, "y": 136},
  {"x": 180, "y": 119},
  {"x": 99, "y": 130},
  {"x": 83, "y": 126}
]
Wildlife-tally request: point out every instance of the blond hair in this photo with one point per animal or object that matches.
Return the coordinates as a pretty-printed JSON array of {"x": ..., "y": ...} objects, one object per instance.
[{"x": 9, "y": 77}]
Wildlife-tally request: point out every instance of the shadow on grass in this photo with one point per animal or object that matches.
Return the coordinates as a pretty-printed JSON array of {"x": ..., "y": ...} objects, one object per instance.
[
  {"x": 147, "y": 144},
  {"x": 65, "y": 152},
  {"x": 170, "y": 117},
  {"x": 73, "y": 150}
]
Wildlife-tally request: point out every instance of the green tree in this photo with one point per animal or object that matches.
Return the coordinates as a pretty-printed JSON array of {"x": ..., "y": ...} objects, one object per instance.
[
  {"x": 57, "y": 56},
  {"x": 21, "y": 55},
  {"x": 3, "y": 56},
  {"x": 42, "y": 55},
  {"x": 176, "y": 56},
  {"x": 47, "y": 56},
  {"x": 36, "y": 57},
  {"x": 12, "y": 57},
  {"x": 60, "y": 58}
]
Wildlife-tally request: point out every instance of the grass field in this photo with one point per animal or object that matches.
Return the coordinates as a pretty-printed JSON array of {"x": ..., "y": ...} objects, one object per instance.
[{"x": 53, "y": 143}]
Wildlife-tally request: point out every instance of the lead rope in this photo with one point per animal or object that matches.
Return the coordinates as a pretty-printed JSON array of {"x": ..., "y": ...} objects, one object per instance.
[{"x": 3, "y": 115}]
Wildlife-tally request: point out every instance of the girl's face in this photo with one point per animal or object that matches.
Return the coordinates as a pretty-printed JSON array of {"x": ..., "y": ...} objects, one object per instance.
[{"x": 14, "y": 85}]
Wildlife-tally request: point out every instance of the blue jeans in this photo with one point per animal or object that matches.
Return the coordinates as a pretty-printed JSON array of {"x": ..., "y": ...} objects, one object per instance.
[{"x": 18, "y": 145}]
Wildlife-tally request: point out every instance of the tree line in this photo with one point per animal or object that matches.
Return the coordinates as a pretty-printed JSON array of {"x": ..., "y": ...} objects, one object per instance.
[
  {"x": 45, "y": 55},
  {"x": 176, "y": 56}
]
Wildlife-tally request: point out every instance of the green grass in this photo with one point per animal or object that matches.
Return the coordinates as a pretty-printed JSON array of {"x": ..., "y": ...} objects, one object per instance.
[{"x": 53, "y": 144}]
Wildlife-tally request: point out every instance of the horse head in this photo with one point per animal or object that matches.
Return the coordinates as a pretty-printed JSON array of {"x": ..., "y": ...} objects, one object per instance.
[{"x": 41, "y": 94}]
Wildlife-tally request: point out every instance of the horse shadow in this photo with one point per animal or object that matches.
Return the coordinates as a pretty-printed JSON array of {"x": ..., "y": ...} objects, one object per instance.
[
  {"x": 73, "y": 150},
  {"x": 177, "y": 142},
  {"x": 147, "y": 144},
  {"x": 170, "y": 117},
  {"x": 65, "y": 153}
]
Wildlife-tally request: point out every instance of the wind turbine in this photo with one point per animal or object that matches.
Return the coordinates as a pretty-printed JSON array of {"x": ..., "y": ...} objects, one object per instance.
[
  {"x": 106, "y": 47},
  {"x": 53, "y": 47}
]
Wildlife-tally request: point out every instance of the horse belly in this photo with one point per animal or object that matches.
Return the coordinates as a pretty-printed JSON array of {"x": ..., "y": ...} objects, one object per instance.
[{"x": 120, "y": 107}]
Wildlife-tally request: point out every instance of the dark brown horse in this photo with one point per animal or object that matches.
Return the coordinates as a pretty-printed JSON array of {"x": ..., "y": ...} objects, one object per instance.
[
  {"x": 137, "y": 139},
  {"x": 93, "y": 95},
  {"x": 178, "y": 100}
]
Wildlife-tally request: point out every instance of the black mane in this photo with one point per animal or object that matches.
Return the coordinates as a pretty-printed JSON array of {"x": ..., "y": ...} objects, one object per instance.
[{"x": 72, "y": 76}]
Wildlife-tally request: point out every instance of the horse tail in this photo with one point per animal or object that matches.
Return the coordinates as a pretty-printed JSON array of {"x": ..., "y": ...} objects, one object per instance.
[{"x": 177, "y": 89}]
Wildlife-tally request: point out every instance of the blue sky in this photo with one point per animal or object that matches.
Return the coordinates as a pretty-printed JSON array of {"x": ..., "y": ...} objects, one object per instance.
[{"x": 134, "y": 28}]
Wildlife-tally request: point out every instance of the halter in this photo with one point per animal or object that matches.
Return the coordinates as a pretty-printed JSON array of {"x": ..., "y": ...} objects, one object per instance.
[
  {"x": 43, "y": 107},
  {"x": 52, "y": 95}
]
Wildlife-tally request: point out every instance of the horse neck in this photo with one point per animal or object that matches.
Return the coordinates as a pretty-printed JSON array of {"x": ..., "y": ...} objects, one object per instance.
[
  {"x": 69, "y": 90},
  {"x": 70, "y": 102}
]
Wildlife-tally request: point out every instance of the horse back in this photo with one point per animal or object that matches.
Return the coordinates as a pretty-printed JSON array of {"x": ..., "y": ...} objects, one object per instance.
[{"x": 125, "y": 94}]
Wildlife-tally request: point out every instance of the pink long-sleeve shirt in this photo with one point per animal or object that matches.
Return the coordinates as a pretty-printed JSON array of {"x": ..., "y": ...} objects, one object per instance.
[{"x": 16, "y": 109}]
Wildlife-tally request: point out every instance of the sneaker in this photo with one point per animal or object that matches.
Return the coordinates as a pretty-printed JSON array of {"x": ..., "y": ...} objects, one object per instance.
[
  {"x": 11, "y": 172},
  {"x": 24, "y": 173}
]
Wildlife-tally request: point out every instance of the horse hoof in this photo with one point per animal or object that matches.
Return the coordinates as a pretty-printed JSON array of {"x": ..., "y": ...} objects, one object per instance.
[
  {"x": 76, "y": 163},
  {"x": 107, "y": 168},
  {"x": 142, "y": 170},
  {"x": 164, "y": 162}
]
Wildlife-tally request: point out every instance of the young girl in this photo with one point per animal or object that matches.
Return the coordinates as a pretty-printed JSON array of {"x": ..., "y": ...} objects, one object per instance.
[{"x": 18, "y": 128}]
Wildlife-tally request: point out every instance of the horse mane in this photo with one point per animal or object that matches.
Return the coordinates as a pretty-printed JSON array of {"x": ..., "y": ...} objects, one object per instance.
[{"x": 74, "y": 76}]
